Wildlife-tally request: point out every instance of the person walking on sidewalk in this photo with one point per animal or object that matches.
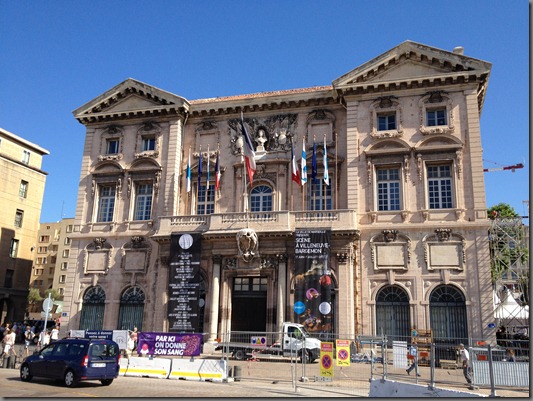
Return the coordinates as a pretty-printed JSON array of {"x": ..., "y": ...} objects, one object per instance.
[
  {"x": 413, "y": 352},
  {"x": 465, "y": 359},
  {"x": 9, "y": 343},
  {"x": 28, "y": 338}
]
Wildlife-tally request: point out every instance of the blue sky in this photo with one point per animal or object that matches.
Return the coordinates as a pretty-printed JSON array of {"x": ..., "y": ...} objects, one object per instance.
[{"x": 58, "y": 55}]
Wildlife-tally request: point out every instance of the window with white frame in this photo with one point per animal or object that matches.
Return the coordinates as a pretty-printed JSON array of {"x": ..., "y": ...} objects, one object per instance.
[
  {"x": 61, "y": 291},
  {"x": 70, "y": 228},
  {"x": 261, "y": 199},
  {"x": 62, "y": 279},
  {"x": 106, "y": 203},
  {"x": 388, "y": 188},
  {"x": 440, "y": 188},
  {"x": 14, "y": 248},
  {"x": 19, "y": 215},
  {"x": 44, "y": 238},
  {"x": 66, "y": 253},
  {"x": 42, "y": 249},
  {"x": 112, "y": 146},
  {"x": 206, "y": 200},
  {"x": 147, "y": 143},
  {"x": 64, "y": 265},
  {"x": 23, "y": 189},
  {"x": 320, "y": 195},
  {"x": 37, "y": 272},
  {"x": 143, "y": 201},
  {"x": 25, "y": 157},
  {"x": 67, "y": 240},
  {"x": 386, "y": 121},
  {"x": 436, "y": 117}
]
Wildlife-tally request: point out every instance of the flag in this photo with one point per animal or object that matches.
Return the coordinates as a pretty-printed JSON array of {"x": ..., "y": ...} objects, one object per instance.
[
  {"x": 249, "y": 153},
  {"x": 208, "y": 172},
  {"x": 217, "y": 171},
  {"x": 200, "y": 169},
  {"x": 303, "y": 179},
  {"x": 294, "y": 168},
  {"x": 325, "y": 159},
  {"x": 188, "y": 174},
  {"x": 314, "y": 170}
]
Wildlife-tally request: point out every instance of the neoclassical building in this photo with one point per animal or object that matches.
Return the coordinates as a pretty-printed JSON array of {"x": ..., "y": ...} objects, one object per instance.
[{"x": 389, "y": 232}]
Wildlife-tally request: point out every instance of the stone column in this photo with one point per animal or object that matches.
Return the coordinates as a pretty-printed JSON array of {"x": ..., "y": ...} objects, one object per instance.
[
  {"x": 215, "y": 298},
  {"x": 282, "y": 289}
]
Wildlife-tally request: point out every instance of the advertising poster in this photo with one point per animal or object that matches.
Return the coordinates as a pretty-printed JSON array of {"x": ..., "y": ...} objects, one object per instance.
[
  {"x": 313, "y": 285},
  {"x": 326, "y": 360},
  {"x": 184, "y": 283},
  {"x": 343, "y": 352},
  {"x": 169, "y": 344}
]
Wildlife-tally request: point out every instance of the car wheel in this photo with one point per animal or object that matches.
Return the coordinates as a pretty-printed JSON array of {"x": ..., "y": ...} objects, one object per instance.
[
  {"x": 70, "y": 379},
  {"x": 239, "y": 354},
  {"x": 25, "y": 374},
  {"x": 106, "y": 382}
]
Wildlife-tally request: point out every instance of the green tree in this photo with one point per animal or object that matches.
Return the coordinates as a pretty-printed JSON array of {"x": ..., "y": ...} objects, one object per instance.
[
  {"x": 56, "y": 296},
  {"x": 501, "y": 210},
  {"x": 34, "y": 296}
]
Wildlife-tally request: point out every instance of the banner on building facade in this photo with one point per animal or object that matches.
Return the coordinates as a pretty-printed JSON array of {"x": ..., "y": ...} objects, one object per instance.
[
  {"x": 169, "y": 344},
  {"x": 184, "y": 283},
  {"x": 312, "y": 283}
]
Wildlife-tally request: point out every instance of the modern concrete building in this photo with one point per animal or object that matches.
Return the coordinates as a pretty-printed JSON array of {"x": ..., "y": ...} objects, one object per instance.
[
  {"x": 21, "y": 196},
  {"x": 396, "y": 216},
  {"x": 50, "y": 262}
]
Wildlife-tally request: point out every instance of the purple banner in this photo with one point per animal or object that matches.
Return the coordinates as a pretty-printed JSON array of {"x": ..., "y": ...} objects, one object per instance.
[{"x": 169, "y": 344}]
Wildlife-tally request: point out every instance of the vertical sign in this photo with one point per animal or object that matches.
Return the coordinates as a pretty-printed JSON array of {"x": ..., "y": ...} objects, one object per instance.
[
  {"x": 312, "y": 283},
  {"x": 343, "y": 352},
  {"x": 184, "y": 283},
  {"x": 326, "y": 360}
]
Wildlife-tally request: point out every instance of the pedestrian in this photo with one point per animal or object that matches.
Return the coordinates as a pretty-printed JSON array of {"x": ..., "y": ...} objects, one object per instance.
[
  {"x": 413, "y": 352},
  {"x": 130, "y": 346},
  {"x": 510, "y": 355},
  {"x": 465, "y": 359},
  {"x": 44, "y": 339},
  {"x": 28, "y": 338},
  {"x": 54, "y": 335},
  {"x": 135, "y": 334},
  {"x": 9, "y": 343}
]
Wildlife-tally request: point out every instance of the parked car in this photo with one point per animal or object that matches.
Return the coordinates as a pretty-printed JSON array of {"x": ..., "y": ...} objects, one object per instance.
[{"x": 74, "y": 359}]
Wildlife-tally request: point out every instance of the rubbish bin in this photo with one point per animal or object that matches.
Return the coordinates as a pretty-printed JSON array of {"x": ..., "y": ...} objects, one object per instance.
[{"x": 237, "y": 373}]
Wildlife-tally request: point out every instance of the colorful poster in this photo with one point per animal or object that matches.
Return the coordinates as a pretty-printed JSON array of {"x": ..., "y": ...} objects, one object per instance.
[
  {"x": 313, "y": 285},
  {"x": 326, "y": 360},
  {"x": 169, "y": 344},
  {"x": 343, "y": 352},
  {"x": 184, "y": 283}
]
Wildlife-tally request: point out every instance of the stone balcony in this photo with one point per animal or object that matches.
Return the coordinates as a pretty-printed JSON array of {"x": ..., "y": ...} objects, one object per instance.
[{"x": 281, "y": 222}]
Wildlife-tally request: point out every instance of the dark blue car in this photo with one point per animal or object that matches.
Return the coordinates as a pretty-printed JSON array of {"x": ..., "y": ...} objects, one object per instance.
[{"x": 74, "y": 359}]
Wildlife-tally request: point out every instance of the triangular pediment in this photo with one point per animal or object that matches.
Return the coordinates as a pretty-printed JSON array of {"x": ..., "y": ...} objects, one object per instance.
[
  {"x": 411, "y": 61},
  {"x": 131, "y": 99}
]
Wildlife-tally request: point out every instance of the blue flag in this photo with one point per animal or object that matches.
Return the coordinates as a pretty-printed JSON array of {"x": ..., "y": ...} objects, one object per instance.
[
  {"x": 200, "y": 169},
  {"x": 314, "y": 170}
]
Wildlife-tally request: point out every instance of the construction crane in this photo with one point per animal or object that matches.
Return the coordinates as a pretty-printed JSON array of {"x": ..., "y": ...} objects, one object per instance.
[{"x": 512, "y": 168}]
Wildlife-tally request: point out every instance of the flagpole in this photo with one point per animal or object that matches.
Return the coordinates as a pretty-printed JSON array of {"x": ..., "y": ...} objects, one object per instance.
[
  {"x": 199, "y": 176},
  {"x": 313, "y": 177},
  {"x": 336, "y": 172},
  {"x": 324, "y": 157},
  {"x": 186, "y": 180}
]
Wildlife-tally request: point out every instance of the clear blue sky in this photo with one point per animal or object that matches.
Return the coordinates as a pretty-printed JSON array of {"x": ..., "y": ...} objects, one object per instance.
[{"x": 58, "y": 55}]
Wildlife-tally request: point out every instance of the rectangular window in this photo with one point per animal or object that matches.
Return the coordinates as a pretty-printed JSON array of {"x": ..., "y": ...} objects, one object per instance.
[
  {"x": 244, "y": 284},
  {"x": 143, "y": 202},
  {"x": 37, "y": 272},
  {"x": 25, "y": 157},
  {"x": 148, "y": 143},
  {"x": 206, "y": 200},
  {"x": 44, "y": 238},
  {"x": 19, "y": 214},
  {"x": 67, "y": 240},
  {"x": 386, "y": 122},
  {"x": 106, "y": 203},
  {"x": 388, "y": 188},
  {"x": 14, "y": 248},
  {"x": 62, "y": 279},
  {"x": 69, "y": 228},
  {"x": 41, "y": 249},
  {"x": 23, "y": 189},
  {"x": 112, "y": 146},
  {"x": 320, "y": 195},
  {"x": 436, "y": 117},
  {"x": 64, "y": 265},
  {"x": 440, "y": 186},
  {"x": 66, "y": 253},
  {"x": 61, "y": 291}
]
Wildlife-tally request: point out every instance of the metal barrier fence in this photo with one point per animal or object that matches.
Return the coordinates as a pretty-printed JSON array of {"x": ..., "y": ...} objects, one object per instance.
[{"x": 258, "y": 356}]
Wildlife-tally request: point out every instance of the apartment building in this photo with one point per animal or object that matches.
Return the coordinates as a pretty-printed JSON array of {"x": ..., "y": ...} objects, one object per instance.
[
  {"x": 21, "y": 196},
  {"x": 192, "y": 216}
]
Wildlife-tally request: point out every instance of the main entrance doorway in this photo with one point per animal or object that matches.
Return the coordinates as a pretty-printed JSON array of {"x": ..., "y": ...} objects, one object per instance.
[{"x": 249, "y": 304}]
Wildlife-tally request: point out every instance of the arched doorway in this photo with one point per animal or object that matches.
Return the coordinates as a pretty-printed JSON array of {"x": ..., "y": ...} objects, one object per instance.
[
  {"x": 393, "y": 315},
  {"x": 131, "y": 309},
  {"x": 447, "y": 312},
  {"x": 92, "y": 313}
]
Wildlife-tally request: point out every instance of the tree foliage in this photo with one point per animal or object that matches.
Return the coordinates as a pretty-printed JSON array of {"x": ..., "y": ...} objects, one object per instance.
[
  {"x": 56, "y": 296},
  {"x": 501, "y": 210},
  {"x": 34, "y": 296}
]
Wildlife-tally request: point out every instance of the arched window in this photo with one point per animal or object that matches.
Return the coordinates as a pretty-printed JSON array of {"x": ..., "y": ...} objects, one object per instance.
[
  {"x": 92, "y": 313},
  {"x": 131, "y": 309},
  {"x": 447, "y": 309},
  {"x": 261, "y": 199},
  {"x": 393, "y": 316}
]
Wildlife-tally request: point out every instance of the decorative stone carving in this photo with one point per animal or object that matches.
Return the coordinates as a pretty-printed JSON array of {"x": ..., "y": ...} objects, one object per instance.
[
  {"x": 247, "y": 243},
  {"x": 342, "y": 257},
  {"x": 268, "y": 262},
  {"x": 390, "y": 250},
  {"x": 443, "y": 234},
  {"x": 444, "y": 250},
  {"x": 99, "y": 243},
  {"x": 230, "y": 263},
  {"x": 136, "y": 254}
]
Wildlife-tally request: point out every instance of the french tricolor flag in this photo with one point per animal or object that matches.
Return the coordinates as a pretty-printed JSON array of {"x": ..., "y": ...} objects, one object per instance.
[{"x": 249, "y": 153}]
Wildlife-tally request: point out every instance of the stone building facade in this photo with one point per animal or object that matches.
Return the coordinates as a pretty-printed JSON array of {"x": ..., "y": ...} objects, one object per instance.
[
  {"x": 399, "y": 141},
  {"x": 21, "y": 196}
]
